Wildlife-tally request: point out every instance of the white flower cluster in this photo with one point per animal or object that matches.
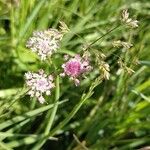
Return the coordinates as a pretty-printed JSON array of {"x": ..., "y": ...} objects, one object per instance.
[
  {"x": 39, "y": 84},
  {"x": 45, "y": 43}
]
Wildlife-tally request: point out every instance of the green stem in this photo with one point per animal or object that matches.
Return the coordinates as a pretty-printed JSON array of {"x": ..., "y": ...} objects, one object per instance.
[
  {"x": 51, "y": 115},
  {"x": 70, "y": 116},
  {"x": 20, "y": 94},
  {"x": 103, "y": 36},
  {"x": 54, "y": 110},
  {"x": 76, "y": 108}
]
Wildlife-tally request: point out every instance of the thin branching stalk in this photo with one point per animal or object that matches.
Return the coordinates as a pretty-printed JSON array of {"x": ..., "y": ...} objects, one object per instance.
[
  {"x": 103, "y": 36},
  {"x": 77, "y": 107},
  {"x": 51, "y": 116},
  {"x": 54, "y": 110}
]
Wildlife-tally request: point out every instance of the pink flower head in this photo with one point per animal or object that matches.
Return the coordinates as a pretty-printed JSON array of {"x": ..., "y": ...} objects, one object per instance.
[
  {"x": 76, "y": 67},
  {"x": 39, "y": 84}
]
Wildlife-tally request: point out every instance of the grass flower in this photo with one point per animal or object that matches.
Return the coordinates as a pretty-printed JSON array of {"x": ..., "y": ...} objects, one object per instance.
[
  {"x": 63, "y": 27},
  {"x": 125, "y": 68},
  {"x": 123, "y": 44},
  {"x": 105, "y": 69},
  {"x": 39, "y": 84},
  {"x": 45, "y": 43},
  {"x": 75, "y": 67},
  {"x": 129, "y": 21}
]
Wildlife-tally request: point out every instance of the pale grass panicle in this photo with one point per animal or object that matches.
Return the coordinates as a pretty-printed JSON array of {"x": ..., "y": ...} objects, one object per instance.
[
  {"x": 128, "y": 21},
  {"x": 103, "y": 66},
  {"x": 39, "y": 84},
  {"x": 124, "y": 67},
  {"x": 123, "y": 44},
  {"x": 105, "y": 69},
  {"x": 63, "y": 27}
]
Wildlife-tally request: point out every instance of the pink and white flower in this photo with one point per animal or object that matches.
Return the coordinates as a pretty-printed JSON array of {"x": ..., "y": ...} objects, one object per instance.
[
  {"x": 45, "y": 43},
  {"x": 39, "y": 84},
  {"x": 75, "y": 67}
]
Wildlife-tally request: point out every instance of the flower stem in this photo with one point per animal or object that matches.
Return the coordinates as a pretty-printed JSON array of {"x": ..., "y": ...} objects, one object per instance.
[
  {"x": 54, "y": 110},
  {"x": 51, "y": 115},
  {"x": 77, "y": 107}
]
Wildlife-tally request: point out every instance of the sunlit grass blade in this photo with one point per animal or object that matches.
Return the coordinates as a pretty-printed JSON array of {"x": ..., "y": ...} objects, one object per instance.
[{"x": 27, "y": 115}]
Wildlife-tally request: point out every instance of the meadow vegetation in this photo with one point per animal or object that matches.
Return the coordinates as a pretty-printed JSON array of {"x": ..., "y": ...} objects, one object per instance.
[{"x": 106, "y": 109}]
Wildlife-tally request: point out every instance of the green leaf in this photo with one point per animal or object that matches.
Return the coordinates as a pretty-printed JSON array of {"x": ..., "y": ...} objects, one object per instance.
[{"x": 27, "y": 115}]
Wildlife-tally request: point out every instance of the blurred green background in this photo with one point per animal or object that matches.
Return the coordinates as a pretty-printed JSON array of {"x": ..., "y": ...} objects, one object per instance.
[{"x": 117, "y": 116}]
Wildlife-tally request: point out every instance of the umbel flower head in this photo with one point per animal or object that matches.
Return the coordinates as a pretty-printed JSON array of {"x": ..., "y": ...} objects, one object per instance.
[
  {"x": 75, "y": 67},
  {"x": 45, "y": 43},
  {"x": 39, "y": 84}
]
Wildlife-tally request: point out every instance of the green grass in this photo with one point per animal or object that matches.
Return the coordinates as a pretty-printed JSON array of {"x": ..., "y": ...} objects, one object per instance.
[{"x": 102, "y": 115}]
